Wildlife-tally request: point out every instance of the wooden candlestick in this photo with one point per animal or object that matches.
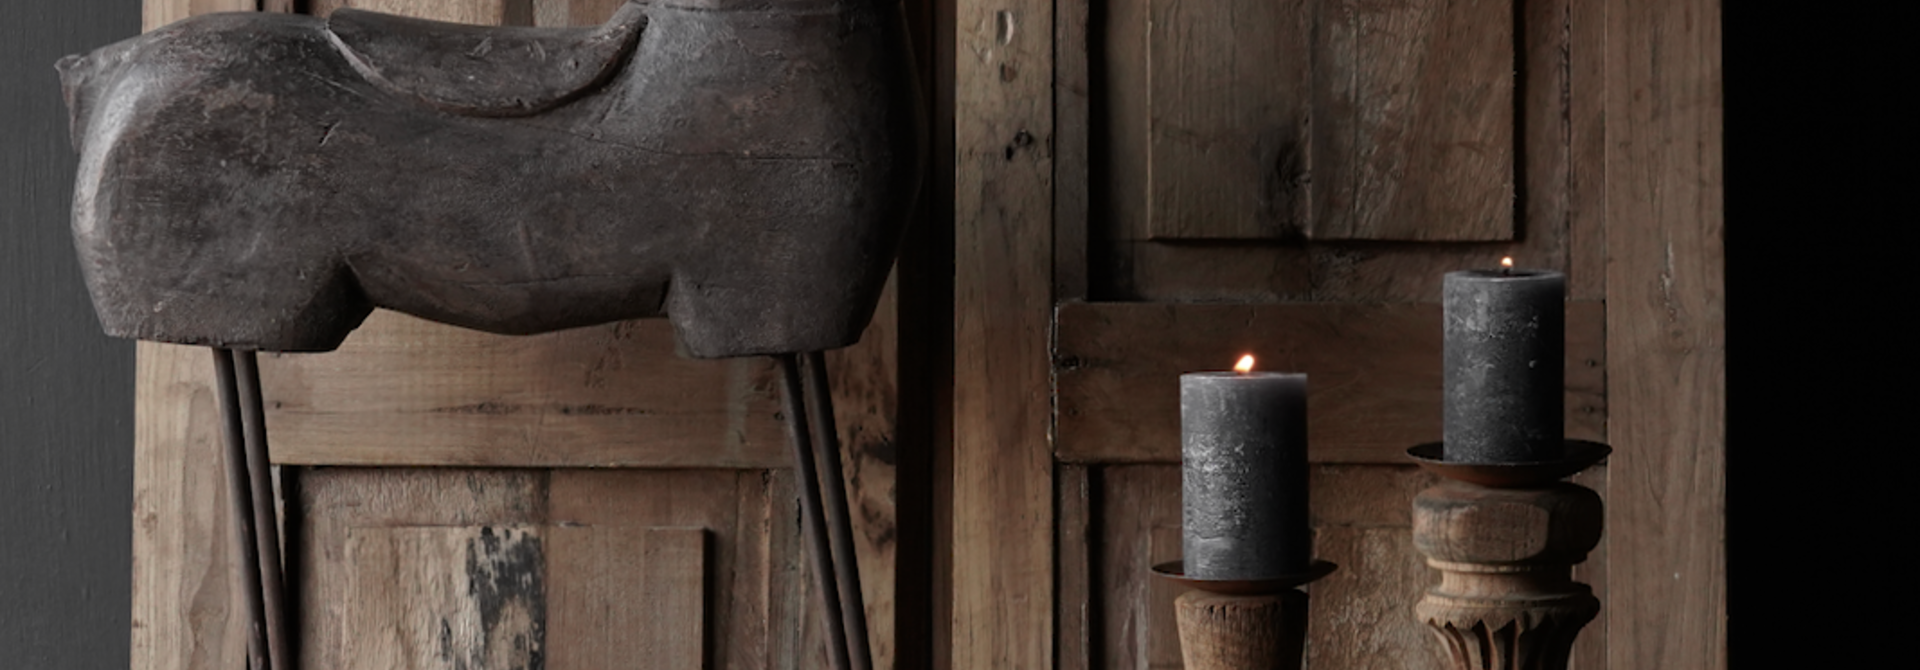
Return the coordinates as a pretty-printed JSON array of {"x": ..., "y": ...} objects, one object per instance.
[
  {"x": 1242, "y": 624},
  {"x": 1229, "y": 632},
  {"x": 1506, "y": 597}
]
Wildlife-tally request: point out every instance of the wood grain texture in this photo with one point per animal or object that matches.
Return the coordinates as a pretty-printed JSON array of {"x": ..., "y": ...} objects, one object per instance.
[
  {"x": 1413, "y": 135},
  {"x": 1374, "y": 372},
  {"x": 183, "y": 586},
  {"x": 1360, "y": 616},
  {"x": 623, "y": 596},
  {"x": 1666, "y": 324},
  {"x": 684, "y": 568},
  {"x": 1229, "y": 92},
  {"x": 1003, "y": 469},
  {"x": 158, "y": 13},
  {"x": 1072, "y": 111},
  {"x": 404, "y": 391},
  {"x": 1075, "y": 641},
  {"x": 761, "y": 611},
  {"x": 482, "y": 12},
  {"x": 443, "y": 598},
  {"x": 564, "y": 13}
]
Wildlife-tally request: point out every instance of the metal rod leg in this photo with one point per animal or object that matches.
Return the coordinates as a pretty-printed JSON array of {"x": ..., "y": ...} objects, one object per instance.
[
  {"x": 839, "y": 517},
  {"x": 815, "y": 524},
  {"x": 266, "y": 518},
  {"x": 246, "y": 558}
]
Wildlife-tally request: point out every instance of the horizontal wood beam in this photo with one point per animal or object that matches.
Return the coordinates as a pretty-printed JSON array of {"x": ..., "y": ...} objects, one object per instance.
[
  {"x": 1374, "y": 373},
  {"x": 403, "y": 391}
]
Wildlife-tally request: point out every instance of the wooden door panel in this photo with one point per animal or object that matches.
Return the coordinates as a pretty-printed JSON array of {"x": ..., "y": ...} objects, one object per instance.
[
  {"x": 1374, "y": 373},
  {"x": 413, "y": 568},
  {"x": 1317, "y": 119},
  {"x": 1229, "y": 98}
]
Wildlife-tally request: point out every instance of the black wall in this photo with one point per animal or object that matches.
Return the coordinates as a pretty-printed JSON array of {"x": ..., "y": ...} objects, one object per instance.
[{"x": 66, "y": 391}]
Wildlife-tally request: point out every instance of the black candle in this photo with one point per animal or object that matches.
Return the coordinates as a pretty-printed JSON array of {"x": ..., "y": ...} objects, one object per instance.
[
  {"x": 1244, "y": 474},
  {"x": 1505, "y": 343}
]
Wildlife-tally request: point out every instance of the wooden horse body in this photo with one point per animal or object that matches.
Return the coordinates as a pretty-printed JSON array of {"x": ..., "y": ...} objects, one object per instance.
[{"x": 262, "y": 181}]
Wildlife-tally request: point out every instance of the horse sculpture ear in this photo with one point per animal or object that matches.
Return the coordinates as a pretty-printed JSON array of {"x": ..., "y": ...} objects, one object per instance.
[{"x": 74, "y": 71}]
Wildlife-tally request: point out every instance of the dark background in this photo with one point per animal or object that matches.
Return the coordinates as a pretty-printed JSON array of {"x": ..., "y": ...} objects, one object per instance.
[
  {"x": 66, "y": 391},
  {"x": 1819, "y": 364},
  {"x": 1822, "y": 325}
]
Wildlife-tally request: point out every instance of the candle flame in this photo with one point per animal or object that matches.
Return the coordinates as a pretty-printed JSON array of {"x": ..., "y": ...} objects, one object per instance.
[
  {"x": 1507, "y": 263},
  {"x": 1245, "y": 365}
]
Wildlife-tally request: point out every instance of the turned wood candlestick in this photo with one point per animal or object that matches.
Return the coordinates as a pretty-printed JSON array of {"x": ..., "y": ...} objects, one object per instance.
[
  {"x": 1505, "y": 539},
  {"x": 1248, "y": 624}
]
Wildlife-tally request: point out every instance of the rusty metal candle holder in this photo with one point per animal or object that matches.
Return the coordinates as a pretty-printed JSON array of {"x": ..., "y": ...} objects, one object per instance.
[
  {"x": 261, "y": 182},
  {"x": 1242, "y": 624},
  {"x": 1505, "y": 538}
]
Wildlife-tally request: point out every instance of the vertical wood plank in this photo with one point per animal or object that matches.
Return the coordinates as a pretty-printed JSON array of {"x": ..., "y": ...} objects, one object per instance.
[
  {"x": 1003, "y": 468},
  {"x": 1073, "y": 113},
  {"x": 444, "y": 598},
  {"x": 1586, "y": 103},
  {"x": 1163, "y": 629},
  {"x": 866, "y": 396},
  {"x": 1074, "y": 646},
  {"x": 627, "y": 597},
  {"x": 182, "y": 570},
  {"x": 1666, "y": 330},
  {"x": 1413, "y": 135},
  {"x": 1228, "y": 98}
]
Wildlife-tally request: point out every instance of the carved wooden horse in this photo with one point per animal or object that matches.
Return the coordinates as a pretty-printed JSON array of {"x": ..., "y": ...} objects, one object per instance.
[{"x": 260, "y": 182}]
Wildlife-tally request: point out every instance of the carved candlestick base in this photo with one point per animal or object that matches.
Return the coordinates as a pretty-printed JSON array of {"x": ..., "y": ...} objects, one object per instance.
[{"x": 1506, "y": 597}]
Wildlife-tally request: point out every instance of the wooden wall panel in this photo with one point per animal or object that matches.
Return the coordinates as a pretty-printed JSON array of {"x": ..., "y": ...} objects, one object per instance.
[
  {"x": 1375, "y": 374},
  {"x": 1328, "y": 119},
  {"x": 442, "y": 598},
  {"x": 435, "y": 567},
  {"x": 1413, "y": 133},
  {"x": 1002, "y": 608},
  {"x": 1130, "y": 259},
  {"x": 623, "y": 596},
  {"x": 1228, "y": 92},
  {"x": 1666, "y": 327}
]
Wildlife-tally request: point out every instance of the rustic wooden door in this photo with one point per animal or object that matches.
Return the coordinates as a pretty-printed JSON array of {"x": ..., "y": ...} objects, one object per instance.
[
  {"x": 1149, "y": 187},
  {"x": 582, "y": 499}
]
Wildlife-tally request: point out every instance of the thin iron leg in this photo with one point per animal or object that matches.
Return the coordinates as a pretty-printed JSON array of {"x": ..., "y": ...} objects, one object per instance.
[
  {"x": 266, "y": 519},
  {"x": 839, "y": 517},
  {"x": 807, "y": 474},
  {"x": 246, "y": 558}
]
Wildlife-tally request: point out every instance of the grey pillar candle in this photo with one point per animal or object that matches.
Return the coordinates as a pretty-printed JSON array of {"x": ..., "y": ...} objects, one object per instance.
[
  {"x": 1244, "y": 474},
  {"x": 1504, "y": 369}
]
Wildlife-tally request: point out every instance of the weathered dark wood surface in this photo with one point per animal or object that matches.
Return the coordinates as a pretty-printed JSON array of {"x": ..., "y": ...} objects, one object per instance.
[
  {"x": 740, "y": 169},
  {"x": 1003, "y": 569}
]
